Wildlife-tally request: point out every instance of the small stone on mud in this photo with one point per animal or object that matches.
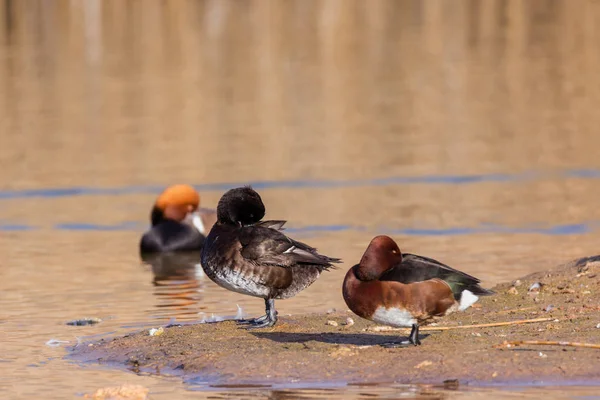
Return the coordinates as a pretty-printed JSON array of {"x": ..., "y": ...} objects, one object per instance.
[
  {"x": 517, "y": 283},
  {"x": 332, "y": 323},
  {"x": 513, "y": 290},
  {"x": 451, "y": 384},
  {"x": 535, "y": 287},
  {"x": 349, "y": 322},
  {"x": 422, "y": 364},
  {"x": 598, "y": 326},
  {"x": 331, "y": 311},
  {"x": 123, "y": 392},
  {"x": 84, "y": 321},
  {"x": 156, "y": 332}
]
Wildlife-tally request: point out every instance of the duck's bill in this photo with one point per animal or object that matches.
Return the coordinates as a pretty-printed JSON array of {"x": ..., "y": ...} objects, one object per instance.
[{"x": 195, "y": 219}]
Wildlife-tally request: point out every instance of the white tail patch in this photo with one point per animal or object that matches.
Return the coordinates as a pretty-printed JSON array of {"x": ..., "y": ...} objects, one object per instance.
[
  {"x": 197, "y": 221},
  {"x": 467, "y": 299}
]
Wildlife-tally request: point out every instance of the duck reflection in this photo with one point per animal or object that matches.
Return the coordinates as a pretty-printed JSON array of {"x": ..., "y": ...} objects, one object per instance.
[{"x": 178, "y": 284}]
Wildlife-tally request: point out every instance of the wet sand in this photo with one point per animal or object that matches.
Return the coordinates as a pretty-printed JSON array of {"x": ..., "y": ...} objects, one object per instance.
[{"x": 306, "y": 348}]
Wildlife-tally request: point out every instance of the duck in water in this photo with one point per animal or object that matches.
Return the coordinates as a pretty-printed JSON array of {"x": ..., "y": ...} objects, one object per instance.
[
  {"x": 406, "y": 290},
  {"x": 177, "y": 222},
  {"x": 252, "y": 257}
]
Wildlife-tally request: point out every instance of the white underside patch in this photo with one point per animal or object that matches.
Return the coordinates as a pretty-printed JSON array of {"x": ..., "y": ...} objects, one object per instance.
[
  {"x": 393, "y": 317},
  {"x": 240, "y": 284},
  {"x": 467, "y": 299}
]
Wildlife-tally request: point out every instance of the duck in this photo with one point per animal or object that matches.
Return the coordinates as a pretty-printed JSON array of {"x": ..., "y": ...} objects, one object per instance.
[
  {"x": 406, "y": 290},
  {"x": 249, "y": 256},
  {"x": 177, "y": 222}
]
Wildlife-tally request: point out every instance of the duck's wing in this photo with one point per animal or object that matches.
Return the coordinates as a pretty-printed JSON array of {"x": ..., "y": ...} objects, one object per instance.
[
  {"x": 268, "y": 246},
  {"x": 414, "y": 268},
  {"x": 275, "y": 224}
]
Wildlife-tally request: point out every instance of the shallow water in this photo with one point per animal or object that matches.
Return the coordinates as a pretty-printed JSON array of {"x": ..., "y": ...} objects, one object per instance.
[{"x": 466, "y": 130}]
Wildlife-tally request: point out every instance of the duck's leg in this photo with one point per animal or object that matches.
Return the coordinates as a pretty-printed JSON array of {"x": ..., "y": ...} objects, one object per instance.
[
  {"x": 269, "y": 319},
  {"x": 413, "y": 339}
]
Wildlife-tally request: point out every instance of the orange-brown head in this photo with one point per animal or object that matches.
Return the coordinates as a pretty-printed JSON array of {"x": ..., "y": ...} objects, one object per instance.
[
  {"x": 381, "y": 255},
  {"x": 175, "y": 202}
]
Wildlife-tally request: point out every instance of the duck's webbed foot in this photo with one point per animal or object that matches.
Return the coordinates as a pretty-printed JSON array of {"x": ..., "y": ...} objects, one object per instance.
[
  {"x": 252, "y": 321},
  {"x": 413, "y": 339},
  {"x": 267, "y": 320}
]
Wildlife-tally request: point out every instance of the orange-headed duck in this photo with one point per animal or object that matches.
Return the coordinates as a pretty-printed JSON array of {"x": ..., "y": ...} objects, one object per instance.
[
  {"x": 177, "y": 222},
  {"x": 406, "y": 290},
  {"x": 252, "y": 257}
]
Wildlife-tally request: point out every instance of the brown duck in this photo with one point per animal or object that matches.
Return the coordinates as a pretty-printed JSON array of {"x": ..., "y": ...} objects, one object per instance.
[{"x": 406, "y": 290}]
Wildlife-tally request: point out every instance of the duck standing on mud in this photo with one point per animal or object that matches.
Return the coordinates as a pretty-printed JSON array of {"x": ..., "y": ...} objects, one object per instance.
[
  {"x": 406, "y": 290},
  {"x": 177, "y": 222},
  {"x": 251, "y": 257}
]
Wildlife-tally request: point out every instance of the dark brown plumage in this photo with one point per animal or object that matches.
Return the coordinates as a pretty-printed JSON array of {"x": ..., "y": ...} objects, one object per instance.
[{"x": 253, "y": 257}]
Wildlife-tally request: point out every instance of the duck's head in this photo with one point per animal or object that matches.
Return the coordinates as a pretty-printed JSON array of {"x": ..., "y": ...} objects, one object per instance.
[
  {"x": 240, "y": 206},
  {"x": 381, "y": 255},
  {"x": 178, "y": 203}
]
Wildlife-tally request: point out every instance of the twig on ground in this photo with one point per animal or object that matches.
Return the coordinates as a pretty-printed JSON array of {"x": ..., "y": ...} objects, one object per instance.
[
  {"x": 446, "y": 328},
  {"x": 514, "y": 343}
]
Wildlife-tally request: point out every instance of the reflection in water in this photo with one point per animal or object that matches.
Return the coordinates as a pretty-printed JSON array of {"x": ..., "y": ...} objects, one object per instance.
[{"x": 178, "y": 283}]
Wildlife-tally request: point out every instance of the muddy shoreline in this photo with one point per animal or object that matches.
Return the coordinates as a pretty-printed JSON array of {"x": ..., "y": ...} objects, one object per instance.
[{"x": 306, "y": 348}]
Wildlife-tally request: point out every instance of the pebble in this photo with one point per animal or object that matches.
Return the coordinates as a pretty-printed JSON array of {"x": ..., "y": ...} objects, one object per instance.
[
  {"x": 349, "y": 322},
  {"x": 156, "y": 332},
  {"x": 332, "y": 323},
  {"x": 84, "y": 321},
  {"x": 598, "y": 326},
  {"x": 516, "y": 283},
  {"x": 422, "y": 364},
  {"x": 512, "y": 290},
  {"x": 535, "y": 287}
]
